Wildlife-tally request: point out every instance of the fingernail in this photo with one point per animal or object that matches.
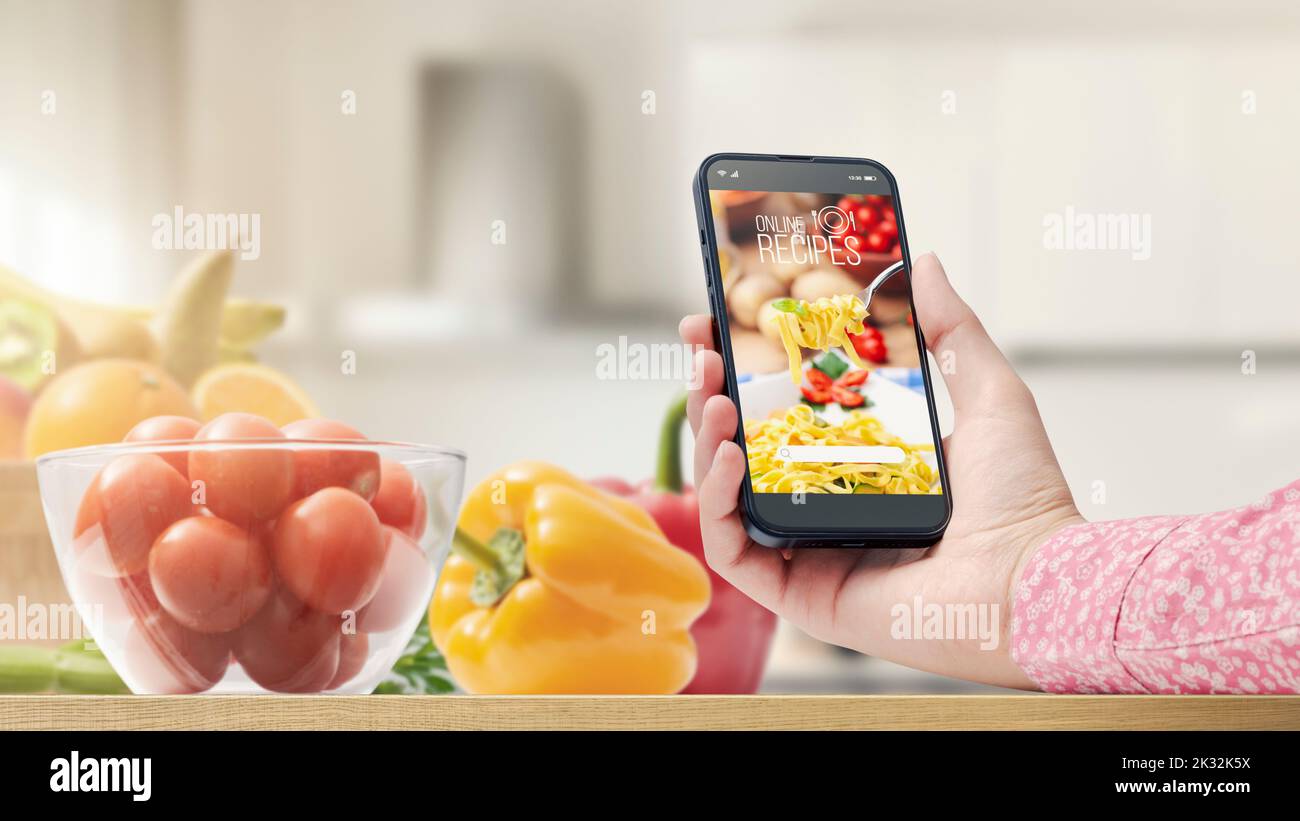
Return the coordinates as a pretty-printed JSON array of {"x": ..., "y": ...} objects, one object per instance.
[{"x": 717, "y": 454}]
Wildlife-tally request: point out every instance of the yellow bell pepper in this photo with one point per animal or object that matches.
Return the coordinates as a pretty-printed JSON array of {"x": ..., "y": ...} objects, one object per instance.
[{"x": 557, "y": 587}]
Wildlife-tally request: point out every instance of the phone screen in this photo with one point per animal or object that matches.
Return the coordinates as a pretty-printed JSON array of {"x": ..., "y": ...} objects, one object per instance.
[{"x": 838, "y": 422}]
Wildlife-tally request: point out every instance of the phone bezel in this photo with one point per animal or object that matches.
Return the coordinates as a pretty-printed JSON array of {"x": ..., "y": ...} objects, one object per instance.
[{"x": 760, "y": 529}]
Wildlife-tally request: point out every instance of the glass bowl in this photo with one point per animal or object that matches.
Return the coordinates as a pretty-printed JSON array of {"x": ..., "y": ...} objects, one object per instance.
[{"x": 246, "y": 566}]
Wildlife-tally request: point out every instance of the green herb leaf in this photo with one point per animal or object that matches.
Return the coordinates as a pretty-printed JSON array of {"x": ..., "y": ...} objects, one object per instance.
[
  {"x": 421, "y": 670},
  {"x": 791, "y": 306},
  {"x": 831, "y": 364}
]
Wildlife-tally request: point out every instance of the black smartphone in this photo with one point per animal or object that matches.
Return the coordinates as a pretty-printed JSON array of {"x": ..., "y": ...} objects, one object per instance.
[{"x": 832, "y": 386}]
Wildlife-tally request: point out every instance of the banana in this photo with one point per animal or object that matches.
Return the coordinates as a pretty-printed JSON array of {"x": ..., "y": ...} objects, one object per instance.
[
  {"x": 188, "y": 325},
  {"x": 195, "y": 325}
]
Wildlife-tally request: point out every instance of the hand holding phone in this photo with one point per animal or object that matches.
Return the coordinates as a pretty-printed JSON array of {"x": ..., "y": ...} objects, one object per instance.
[{"x": 1008, "y": 491}]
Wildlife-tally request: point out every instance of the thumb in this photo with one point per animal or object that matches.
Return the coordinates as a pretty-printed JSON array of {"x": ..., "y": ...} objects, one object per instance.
[{"x": 973, "y": 368}]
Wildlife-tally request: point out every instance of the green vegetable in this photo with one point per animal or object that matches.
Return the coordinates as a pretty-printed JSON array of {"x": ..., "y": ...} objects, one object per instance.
[
  {"x": 791, "y": 306},
  {"x": 25, "y": 669},
  {"x": 79, "y": 667},
  {"x": 76, "y": 667},
  {"x": 816, "y": 406},
  {"x": 421, "y": 669},
  {"x": 830, "y": 364}
]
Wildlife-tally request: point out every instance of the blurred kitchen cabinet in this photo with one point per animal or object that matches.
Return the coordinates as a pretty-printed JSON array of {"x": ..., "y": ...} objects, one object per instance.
[{"x": 500, "y": 171}]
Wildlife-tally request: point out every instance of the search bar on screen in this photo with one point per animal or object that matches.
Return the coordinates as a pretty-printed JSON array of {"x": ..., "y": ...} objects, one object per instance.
[{"x": 843, "y": 454}]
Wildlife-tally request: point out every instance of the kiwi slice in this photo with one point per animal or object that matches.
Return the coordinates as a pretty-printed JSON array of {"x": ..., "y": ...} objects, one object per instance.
[{"x": 29, "y": 338}]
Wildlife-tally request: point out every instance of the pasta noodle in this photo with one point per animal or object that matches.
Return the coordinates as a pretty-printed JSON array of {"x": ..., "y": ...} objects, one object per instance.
[
  {"x": 800, "y": 426},
  {"x": 821, "y": 324}
]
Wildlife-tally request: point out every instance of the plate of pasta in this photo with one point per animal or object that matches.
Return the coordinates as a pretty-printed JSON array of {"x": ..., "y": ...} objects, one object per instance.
[{"x": 894, "y": 416}]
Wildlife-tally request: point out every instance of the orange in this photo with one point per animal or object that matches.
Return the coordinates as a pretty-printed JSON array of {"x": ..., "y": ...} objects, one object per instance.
[
  {"x": 247, "y": 387},
  {"x": 97, "y": 403}
]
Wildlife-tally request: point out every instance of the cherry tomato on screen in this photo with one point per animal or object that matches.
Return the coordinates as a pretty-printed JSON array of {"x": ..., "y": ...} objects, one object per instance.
[
  {"x": 877, "y": 243},
  {"x": 888, "y": 230},
  {"x": 210, "y": 575},
  {"x": 846, "y": 397},
  {"x": 353, "y": 649},
  {"x": 870, "y": 345},
  {"x": 133, "y": 499},
  {"x": 242, "y": 485},
  {"x": 289, "y": 647},
  {"x": 329, "y": 550},
  {"x": 817, "y": 379},
  {"x": 400, "y": 502},
  {"x": 852, "y": 378},
  {"x": 876, "y": 199},
  {"x": 405, "y": 585},
  {"x": 865, "y": 218},
  {"x": 165, "y": 657},
  {"x": 854, "y": 243},
  {"x": 164, "y": 429},
  {"x": 815, "y": 396},
  {"x": 357, "y": 471}
]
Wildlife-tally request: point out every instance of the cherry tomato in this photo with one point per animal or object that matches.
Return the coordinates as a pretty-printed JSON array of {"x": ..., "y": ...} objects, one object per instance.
[
  {"x": 853, "y": 242},
  {"x": 210, "y": 575},
  {"x": 866, "y": 217},
  {"x": 167, "y": 429},
  {"x": 329, "y": 550},
  {"x": 404, "y": 587},
  {"x": 847, "y": 204},
  {"x": 116, "y": 599},
  {"x": 876, "y": 199},
  {"x": 354, "y": 470},
  {"x": 870, "y": 345},
  {"x": 846, "y": 397},
  {"x": 877, "y": 243},
  {"x": 133, "y": 499},
  {"x": 818, "y": 379},
  {"x": 852, "y": 378},
  {"x": 400, "y": 502},
  {"x": 164, "y": 657},
  {"x": 353, "y": 650},
  {"x": 288, "y": 646},
  {"x": 874, "y": 350},
  {"x": 815, "y": 396},
  {"x": 888, "y": 230},
  {"x": 243, "y": 486}
]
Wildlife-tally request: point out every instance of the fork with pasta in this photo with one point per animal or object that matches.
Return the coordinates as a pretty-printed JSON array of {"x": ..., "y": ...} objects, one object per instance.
[{"x": 825, "y": 323}]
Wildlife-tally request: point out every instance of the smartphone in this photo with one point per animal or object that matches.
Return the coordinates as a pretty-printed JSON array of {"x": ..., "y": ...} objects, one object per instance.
[{"x": 837, "y": 417}]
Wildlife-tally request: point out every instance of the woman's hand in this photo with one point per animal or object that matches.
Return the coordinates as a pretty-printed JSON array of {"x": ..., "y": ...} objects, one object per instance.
[{"x": 1007, "y": 489}]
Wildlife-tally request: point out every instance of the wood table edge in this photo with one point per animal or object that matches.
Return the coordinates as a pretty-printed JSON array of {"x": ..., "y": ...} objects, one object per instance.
[{"x": 877, "y": 712}]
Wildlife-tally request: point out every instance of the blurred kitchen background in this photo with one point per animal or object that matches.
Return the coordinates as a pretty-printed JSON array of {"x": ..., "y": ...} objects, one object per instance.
[{"x": 574, "y": 127}]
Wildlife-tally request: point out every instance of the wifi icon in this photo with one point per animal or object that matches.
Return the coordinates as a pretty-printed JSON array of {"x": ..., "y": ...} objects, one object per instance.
[{"x": 722, "y": 172}]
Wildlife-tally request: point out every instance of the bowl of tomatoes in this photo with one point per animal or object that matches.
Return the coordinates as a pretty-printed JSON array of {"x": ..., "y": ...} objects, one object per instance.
[
  {"x": 870, "y": 231},
  {"x": 239, "y": 557}
]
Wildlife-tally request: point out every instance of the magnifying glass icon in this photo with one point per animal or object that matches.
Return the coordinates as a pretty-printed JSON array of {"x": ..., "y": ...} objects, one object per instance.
[{"x": 785, "y": 453}]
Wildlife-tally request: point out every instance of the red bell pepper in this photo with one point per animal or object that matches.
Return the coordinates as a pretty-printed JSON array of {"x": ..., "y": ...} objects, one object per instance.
[{"x": 734, "y": 635}]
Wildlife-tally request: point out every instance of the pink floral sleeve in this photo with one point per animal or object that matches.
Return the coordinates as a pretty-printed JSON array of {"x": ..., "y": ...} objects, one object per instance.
[{"x": 1166, "y": 604}]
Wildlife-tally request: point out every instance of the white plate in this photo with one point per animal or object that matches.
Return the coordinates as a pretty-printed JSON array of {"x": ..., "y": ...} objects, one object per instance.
[{"x": 901, "y": 410}]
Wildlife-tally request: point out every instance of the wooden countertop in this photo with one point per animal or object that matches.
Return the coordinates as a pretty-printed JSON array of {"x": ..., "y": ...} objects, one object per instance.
[{"x": 892, "y": 712}]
